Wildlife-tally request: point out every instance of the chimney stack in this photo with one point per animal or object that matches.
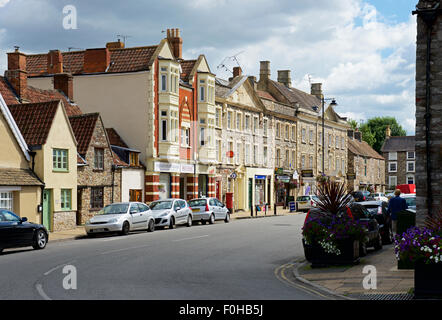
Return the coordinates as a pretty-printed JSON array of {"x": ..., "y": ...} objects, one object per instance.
[
  {"x": 115, "y": 45},
  {"x": 55, "y": 62},
  {"x": 316, "y": 90},
  {"x": 237, "y": 71},
  {"x": 96, "y": 60},
  {"x": 176, "y": 42},
  {"x": 284, "y": 78},
  {"x": 16, "y": 73},
  {"x": 358, "y": 135},
  {"x": 387, "y": 132},
  {"x": 351, "y": 134},
  {"x": 64, "y": 82},
  {"x": 264, "y": 71},
  {"x": 252, "y": 80}
]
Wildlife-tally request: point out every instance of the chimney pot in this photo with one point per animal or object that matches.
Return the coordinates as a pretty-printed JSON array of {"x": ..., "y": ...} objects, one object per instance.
[
  {"x": 237, "y": 71},
  {"x": 316, "y": 90},
  {"x": 176, "y": 42},
  {"x": 284, "y": 78},
  {"x": 264, "y": 71}
]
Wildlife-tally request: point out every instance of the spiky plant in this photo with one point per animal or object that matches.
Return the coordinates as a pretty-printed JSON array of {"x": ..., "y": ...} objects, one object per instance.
[
  {"x": 434, "y": 222},
  {"x": 333, "y": 197}
]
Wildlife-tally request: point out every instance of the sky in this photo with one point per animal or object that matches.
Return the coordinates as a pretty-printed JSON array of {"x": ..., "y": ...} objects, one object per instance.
[{"x": 362, "y": 51}]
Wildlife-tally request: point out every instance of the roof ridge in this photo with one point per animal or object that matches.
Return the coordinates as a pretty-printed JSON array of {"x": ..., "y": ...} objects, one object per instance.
[
  {"x": 85, "y": 115},
  {"x": 30, "y": 104}
]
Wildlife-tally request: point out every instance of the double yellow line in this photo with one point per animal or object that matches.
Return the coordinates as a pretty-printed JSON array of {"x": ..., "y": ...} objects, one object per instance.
[{"x": 281, "y": 275}]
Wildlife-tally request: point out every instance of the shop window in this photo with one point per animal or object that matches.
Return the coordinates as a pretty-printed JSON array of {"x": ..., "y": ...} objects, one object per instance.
[
  {"x": 135, "y": 195},
  {"x": 164, "y": 186}
]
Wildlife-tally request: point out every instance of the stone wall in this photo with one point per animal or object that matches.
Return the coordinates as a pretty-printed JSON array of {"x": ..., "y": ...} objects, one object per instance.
[
  {"x": 64, "y": 220},
  {"x": 435, "y": 110}
]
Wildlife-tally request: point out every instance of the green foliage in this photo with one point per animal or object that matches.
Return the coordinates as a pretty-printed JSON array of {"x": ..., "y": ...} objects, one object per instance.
[{"x": 353, "y": 124}]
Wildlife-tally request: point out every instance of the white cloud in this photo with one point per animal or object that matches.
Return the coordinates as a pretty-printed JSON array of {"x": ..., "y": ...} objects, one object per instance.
[{"x": 3, "y": 3}]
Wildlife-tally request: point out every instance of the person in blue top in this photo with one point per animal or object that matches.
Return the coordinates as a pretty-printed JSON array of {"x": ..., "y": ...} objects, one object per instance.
[{"x": 395, "y": 205}]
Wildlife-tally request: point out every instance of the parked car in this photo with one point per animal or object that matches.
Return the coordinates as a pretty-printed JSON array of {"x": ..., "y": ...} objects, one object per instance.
[
  {"x": 209, "y": 210},
  {"x": 305, "y": 203},
  {"x": 358, "y": 212},
  {"x": 410, "y": 198},
  {"x": 171, "y": 212},
  {"x": 16, "y": 232},
  {"x": 378, "y": 196},
  {"x": 360, "y": 195},
  {"x": 379, "y": 210},
  {"x": 121, "y": 217}
]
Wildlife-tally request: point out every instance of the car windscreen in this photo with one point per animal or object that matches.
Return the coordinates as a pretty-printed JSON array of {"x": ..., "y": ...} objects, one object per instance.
[
  {"x": 372, "y": 208},
  {"x": 304, "y": 198},
  {"x": 161, "y": 205},
  {"x": 116, "y": 208},
  {"x": 411, "y": 202},
  {"x": 197, "y": 203}
]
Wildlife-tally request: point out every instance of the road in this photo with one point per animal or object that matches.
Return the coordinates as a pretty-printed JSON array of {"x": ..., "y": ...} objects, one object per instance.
[{"x": 239, "y": 260}]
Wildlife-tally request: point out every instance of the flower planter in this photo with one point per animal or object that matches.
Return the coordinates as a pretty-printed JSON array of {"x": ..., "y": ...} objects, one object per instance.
[
  {"x": 316, "y": 255},
  {"x": 405, "y": 265},
  {"x": 427, "y": 280}
]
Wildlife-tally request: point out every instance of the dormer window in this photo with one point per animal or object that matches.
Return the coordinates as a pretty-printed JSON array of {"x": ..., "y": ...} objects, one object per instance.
[{"x": 134, "y": 159}]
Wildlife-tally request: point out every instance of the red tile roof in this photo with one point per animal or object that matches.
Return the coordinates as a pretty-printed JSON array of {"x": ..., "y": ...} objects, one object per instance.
[
  {"x": 115, "y": 139},
  {"x": 83, "y": 127},
  {"x": 122, "y": 60},
  {"x": 7, "y": 92},
  {"x": 35, "y": 95},
  {"x": 265, "y": 95},
  {"x": 34, "y": 120},
  {"x": 186, "y": 67}
]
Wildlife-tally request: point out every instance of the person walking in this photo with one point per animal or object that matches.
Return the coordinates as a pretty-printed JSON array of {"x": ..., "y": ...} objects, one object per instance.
[{"x": 395, "y": 205}]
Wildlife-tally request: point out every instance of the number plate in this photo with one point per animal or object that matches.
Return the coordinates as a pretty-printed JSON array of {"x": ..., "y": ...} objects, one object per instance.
[
  {"x": 303, "y": 202},
  {"x": 195, "y": 210},
  {"x": 98, "y": 230}
]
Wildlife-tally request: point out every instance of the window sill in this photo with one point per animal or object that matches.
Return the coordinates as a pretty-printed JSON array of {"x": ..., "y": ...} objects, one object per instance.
[{"x": 60, "y": 171}]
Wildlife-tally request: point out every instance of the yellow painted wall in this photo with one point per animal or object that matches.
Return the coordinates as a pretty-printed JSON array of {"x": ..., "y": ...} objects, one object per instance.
[
  {"x": 26, "y": 201},
  {"x": 11, "y": 155}
]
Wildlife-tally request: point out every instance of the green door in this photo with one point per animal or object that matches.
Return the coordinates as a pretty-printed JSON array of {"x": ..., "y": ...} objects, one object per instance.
[{"x": 47, "y": 209}]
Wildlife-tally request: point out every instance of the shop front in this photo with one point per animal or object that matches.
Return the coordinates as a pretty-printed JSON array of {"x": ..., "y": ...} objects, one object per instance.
[
  {"x": 259, "y": 188},
  {"x": 174, "y": 179},
  {"x": 308, "y": 184}
]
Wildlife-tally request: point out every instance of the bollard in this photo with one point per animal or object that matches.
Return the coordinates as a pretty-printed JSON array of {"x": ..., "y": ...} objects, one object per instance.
[
  {"x": 274, "y": 209},
  {"x": 251, "y": 210}
]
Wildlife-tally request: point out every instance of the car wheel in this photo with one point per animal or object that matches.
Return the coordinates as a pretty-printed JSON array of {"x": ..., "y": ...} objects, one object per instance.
[
  {"x": 212, "y": 219},
  {"x": 90, "y": 235},
  {"x": 227, "y": 219},
  {"x": 378, "y": 243},
  {"x": 363, "y": 249},
  {"x": 40, "y": 240},
  {"x": 172, "y": 223},
  {"x": 203, "y": 221},
  {"x": 189, "y": 221},
  {"x": 151, "y": 226},
  {"x": 126, "y": 228}
]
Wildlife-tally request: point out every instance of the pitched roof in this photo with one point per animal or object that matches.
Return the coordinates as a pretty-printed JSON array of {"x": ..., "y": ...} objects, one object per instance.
[
  {"x": 35, "y": 95},
  {"x": 34, "y": 120},
  {"x": 7, "y": 92},
  {"x": 18, "y": 177},
  {"x": 362, "y": 148},
  {"x": 265, "y": 95},
  {"x": 83, "y": 127},
  {"x": 121, "y": 60},
  {"x": 186, "y": 67},
  {"x": 294, "y": 95},
  {"x": 115, "y": 139},
  {"x": 394, "y": 144}
]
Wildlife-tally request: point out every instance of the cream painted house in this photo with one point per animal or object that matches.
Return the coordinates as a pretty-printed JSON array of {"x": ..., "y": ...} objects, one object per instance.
[
  {"x": 20, "y": 188},
  {"x": 47, "y": 131}
]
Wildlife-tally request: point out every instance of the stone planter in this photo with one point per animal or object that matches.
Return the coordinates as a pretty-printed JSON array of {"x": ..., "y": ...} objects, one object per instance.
[
  {"x": 316, "y": 255},
  {"x": 427, "y": 280}
]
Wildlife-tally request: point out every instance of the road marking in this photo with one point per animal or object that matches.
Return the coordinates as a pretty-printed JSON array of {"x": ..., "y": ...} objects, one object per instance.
[
  {"x": 58, "y": 267},
  {"x": 125, "y": 249},
  {"x": 40, "y": 291},
  {"x": 280, "y": 274},
  {"x": 191, "y": 238}
]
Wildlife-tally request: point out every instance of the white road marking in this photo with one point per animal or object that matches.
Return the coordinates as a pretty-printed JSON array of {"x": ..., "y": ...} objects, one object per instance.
[
  {"x": 40, "y": 291},
  {"x": 191, "y": 238},
  {"x": 58, "y": 267},
  {"x": 125, "y": 249}
]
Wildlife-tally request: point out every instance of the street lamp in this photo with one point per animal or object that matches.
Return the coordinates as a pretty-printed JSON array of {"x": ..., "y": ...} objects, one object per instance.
[{"x": 333, "y": 103}]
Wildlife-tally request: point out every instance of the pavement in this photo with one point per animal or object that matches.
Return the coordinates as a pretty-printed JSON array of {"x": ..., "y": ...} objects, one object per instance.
[
  {"x": 347, "y": 281},
  {"x": 79, "y": 233}
]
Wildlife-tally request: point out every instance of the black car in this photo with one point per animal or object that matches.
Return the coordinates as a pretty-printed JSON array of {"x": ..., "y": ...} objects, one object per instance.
[
  {"x": 379, "y": 210},
  {"x": 16, "y": 232},
  {"x": 359, "y": 196}
]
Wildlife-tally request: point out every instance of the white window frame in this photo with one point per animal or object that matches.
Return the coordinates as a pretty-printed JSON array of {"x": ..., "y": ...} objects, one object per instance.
[
  {"x": 7, "y": 200},
  {"x": 392, "y": 156},
  {"x": 389, "y": 180},
  {"x": 410, "y": 176},
  {"x": 408, "y": 155},
  {"x": 414, "y": 166},
  {"x": 389, "y": 166}
]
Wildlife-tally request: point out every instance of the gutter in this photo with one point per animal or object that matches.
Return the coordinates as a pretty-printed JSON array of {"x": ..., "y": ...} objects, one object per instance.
[{"x": 429, "y": 16}]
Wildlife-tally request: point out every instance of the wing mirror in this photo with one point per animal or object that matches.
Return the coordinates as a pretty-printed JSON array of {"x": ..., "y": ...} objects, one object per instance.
[
  {"x": 133, "y": 211},
  {"x": 24, "y": 219}
]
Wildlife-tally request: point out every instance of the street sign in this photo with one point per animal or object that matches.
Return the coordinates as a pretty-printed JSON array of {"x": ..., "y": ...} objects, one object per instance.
[
  {"x": 233, "y": 175},
  {"x": 307, "y": 173}
]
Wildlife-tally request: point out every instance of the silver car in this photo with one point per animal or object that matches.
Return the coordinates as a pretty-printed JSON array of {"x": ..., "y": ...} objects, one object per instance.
[
  {"x": 305, "y": 203},
  {"x": 209, "y": 210},
  {"x": 121, "y": 217},
  {"x": 170, "y": 212}
]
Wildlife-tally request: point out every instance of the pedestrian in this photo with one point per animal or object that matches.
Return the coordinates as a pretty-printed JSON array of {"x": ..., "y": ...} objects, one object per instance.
[{"x": 395, "y": 205}]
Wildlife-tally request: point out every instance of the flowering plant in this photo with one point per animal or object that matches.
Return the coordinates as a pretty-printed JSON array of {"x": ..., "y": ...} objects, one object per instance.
[
  {"x": 419, "y": 244},
  {"x": 328, "y": 230}
]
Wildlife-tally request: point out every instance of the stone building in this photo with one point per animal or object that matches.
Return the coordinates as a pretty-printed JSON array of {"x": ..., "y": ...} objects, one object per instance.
[
  {"x": 244, "y": 144},
  {"x": 366, "y": 167},
  {"x": 428, "y": 108},
  {"x": 97, "y": 186},
  {"x": 399, "y": 154}
]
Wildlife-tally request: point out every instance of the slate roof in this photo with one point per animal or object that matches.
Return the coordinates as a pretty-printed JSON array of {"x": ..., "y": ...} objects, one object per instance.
[
  {"x": 187, "y": 67},
  {"x": 362, "y": 148},
  {"x": 83, "y": 127},
  {"x": 121, "y": 60},
  {"x": 294, "y": 95},
  {"x": 18, "y": 177},
  {"x": 394, "y": 144},
  {"x": 115, "y": 139},
  {"x": 34, "y": 120}
]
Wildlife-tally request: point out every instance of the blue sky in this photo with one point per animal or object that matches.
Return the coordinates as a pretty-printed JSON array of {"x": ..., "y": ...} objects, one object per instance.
[{"x": 363, "y": 51}]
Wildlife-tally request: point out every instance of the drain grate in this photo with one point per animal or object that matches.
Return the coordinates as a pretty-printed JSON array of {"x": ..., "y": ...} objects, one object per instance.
[{"x": 384, "y": 296}]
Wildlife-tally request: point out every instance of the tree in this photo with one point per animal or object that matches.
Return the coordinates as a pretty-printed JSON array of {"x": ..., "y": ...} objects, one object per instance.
[
  {"x": 354, "y": 125},
  {"x": 377, "y": 127},
  {"x": 367, "y": 135}
]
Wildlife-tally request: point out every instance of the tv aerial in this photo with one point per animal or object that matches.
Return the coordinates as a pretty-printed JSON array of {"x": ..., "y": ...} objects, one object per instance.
[
  {"x": 124, "y": 36},
  {"x": 226, "y": 60}
]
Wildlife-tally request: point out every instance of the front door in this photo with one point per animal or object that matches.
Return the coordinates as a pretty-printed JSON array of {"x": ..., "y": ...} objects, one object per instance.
[
  {"x": 47, "y": 209},
  {"x": 250, "y": 193}
]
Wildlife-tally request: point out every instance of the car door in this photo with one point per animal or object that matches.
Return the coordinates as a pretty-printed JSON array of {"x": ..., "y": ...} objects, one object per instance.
[
  {"x": 136, "y": 216},
  {"x": 145, "y": 213},
  {"x": 222, "y": 208},
  {"x": 184, "y": 211},
  {"x": 6, "y": 232},
  {"x": 177, "y": 212},
  {"x": 17, "y": 233},
  {"x": 214, "y": 207}
]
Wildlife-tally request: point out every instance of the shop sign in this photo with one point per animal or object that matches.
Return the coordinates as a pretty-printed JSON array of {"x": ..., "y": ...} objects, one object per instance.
[
  {"x": 307, "y": 173},
  {"x": 260, "y": 177},
  {"x": 351, "y": 176},
  {"x": 283, "y": 178},
  {"x": 167, "y": 167},
  {"x": 187, "y": 168},
  {"x": 233, "y": 175},
  {"x": 279, "y": 170}
]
